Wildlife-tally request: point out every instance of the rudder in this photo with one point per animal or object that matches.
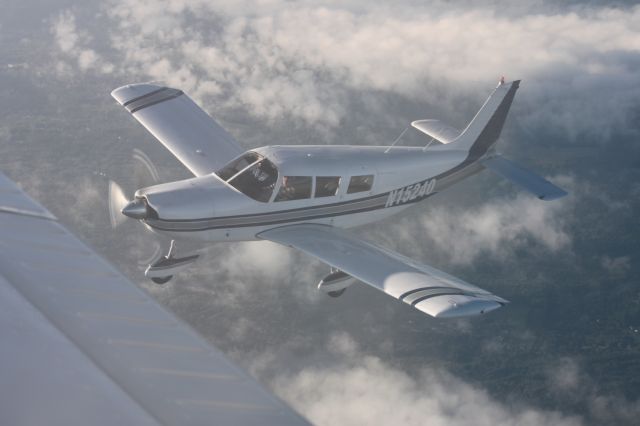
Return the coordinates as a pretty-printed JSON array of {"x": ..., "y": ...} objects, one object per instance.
[{"x": 483, "y": 131}]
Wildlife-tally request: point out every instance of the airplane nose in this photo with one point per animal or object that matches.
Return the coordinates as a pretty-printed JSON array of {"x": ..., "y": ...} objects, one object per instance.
[{"x": 136, "y": 209}]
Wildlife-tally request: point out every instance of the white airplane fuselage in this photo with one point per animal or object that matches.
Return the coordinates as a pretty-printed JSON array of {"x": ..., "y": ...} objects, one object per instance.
[{"x": 387, "y": 181}]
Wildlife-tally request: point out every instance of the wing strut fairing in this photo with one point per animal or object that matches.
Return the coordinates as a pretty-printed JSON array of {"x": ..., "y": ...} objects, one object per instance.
[{"x": 423, "y": 287}]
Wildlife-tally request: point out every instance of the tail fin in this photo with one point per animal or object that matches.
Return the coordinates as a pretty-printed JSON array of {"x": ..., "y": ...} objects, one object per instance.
[{"x": 485, "y": 128}]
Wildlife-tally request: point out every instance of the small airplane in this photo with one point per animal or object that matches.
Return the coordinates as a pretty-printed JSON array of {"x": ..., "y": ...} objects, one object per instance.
[{"x": 303, "y": 196}]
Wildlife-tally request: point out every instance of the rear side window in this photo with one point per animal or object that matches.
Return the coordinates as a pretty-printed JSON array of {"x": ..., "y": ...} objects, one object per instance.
[
  {"x": 294, "y": 188},
  {"x": 327, "y": 186},
  {"x": 360, "y": 184}
]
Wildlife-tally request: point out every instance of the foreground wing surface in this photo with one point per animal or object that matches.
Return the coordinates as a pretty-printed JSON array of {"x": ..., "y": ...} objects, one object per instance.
[
  {"x": 191, "y": 135},
  {"x": 423, "y": 287},
  {"x": 83, "y": 345}
]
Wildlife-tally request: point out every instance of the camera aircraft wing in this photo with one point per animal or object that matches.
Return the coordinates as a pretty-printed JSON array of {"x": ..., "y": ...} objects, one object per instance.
[{"x": 81, "y": 344}]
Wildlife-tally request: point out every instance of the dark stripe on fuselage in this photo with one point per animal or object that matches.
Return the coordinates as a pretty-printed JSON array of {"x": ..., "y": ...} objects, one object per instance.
[{"x": 260, "y": 219}]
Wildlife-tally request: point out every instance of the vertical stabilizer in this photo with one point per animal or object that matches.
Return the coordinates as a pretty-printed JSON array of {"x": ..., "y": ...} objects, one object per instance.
[{"x": 485, "y": 128}]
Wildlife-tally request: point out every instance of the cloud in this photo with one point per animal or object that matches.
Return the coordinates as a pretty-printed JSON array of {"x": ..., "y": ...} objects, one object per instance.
[
  {"x": 307, "y": 60},
  {"x": 616, "y": 266},
  {"x": 569, "y": 382},
  {"x": 460, "y": 233},
  {"x": 241, "y": 274},
  {"x": 73, "y": 45},
  {"x": 564, "y": 376},
  {"x": 362, "y": 389},
  {"x": 496, "y": 227}
]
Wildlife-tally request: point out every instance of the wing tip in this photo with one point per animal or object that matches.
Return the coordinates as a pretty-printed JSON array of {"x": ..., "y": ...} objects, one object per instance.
[
  {"x": 128, "y": 92},
  {"x": 459, "y": 306}
]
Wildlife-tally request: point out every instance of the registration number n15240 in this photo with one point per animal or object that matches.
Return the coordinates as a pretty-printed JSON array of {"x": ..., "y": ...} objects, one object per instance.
[{"x": 410, "y": 193}]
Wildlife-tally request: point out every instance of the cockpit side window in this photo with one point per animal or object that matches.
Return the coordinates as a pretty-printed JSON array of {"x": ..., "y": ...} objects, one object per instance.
[
  {"x": 294, "y": 188},
  {"x": 237, "y": 165},
  {"x": 360, "y": 184},
  {"x": 327, "y": 186},
  {"x": 257, "y": 181}
]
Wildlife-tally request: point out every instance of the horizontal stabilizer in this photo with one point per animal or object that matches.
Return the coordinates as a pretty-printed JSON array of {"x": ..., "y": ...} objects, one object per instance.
[
  {"x": 530, "y": 181},
  {"x": 425, "y": 288},
  {"x": 437, "y": 130}
]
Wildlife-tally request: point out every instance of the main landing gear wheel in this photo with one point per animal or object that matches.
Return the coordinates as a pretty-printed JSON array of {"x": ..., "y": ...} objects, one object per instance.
[{"x": 161, "y": 280}]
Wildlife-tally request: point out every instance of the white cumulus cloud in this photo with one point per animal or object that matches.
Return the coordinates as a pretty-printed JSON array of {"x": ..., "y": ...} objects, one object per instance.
[
  {"x": 306, "y": 60},
  {"x": 362, "y": 389},
  {"x": 73, "y": 43}
]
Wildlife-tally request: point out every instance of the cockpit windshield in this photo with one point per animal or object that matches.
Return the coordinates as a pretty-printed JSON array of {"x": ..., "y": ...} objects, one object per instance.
[
  {"x": 251, "y": 174},
  {"x": 237, "y": 165}
]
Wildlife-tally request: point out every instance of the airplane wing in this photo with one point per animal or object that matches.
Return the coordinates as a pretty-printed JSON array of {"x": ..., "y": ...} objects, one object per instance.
[
  {"x": 191, "y": 135},
  {"x": 423, "y": 287},
  {"x": 83, "y": 345}
]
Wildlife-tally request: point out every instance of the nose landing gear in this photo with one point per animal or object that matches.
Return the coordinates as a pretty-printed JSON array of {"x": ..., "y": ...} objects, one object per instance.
[{"x": 162, "y": 270}]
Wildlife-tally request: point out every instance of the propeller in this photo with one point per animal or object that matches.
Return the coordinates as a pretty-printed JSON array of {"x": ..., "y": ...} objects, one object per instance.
[
  {"x": 145, "y": 175},
  {"x": 117, "y": 201},
  {"x": 151, "y": 169}
]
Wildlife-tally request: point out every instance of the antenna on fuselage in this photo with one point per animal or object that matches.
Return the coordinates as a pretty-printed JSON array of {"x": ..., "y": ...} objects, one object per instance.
[
  {"x": 428, "y": 145},
  {"x": 397, "y": 139}
]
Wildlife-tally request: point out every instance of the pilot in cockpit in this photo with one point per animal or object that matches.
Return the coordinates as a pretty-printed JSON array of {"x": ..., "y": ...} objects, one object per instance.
[{"x": 265, "y": 174}]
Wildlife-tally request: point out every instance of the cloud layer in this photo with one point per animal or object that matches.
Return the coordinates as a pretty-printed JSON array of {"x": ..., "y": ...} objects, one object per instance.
[
  {"x": 304, "y": 60},
  {"x": 73, "y": 44},
  {"x": 362, "y": 389}
]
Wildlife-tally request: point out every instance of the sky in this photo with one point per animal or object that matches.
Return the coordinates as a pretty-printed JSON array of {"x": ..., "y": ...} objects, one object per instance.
[{"x": 565, "y": 351}]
